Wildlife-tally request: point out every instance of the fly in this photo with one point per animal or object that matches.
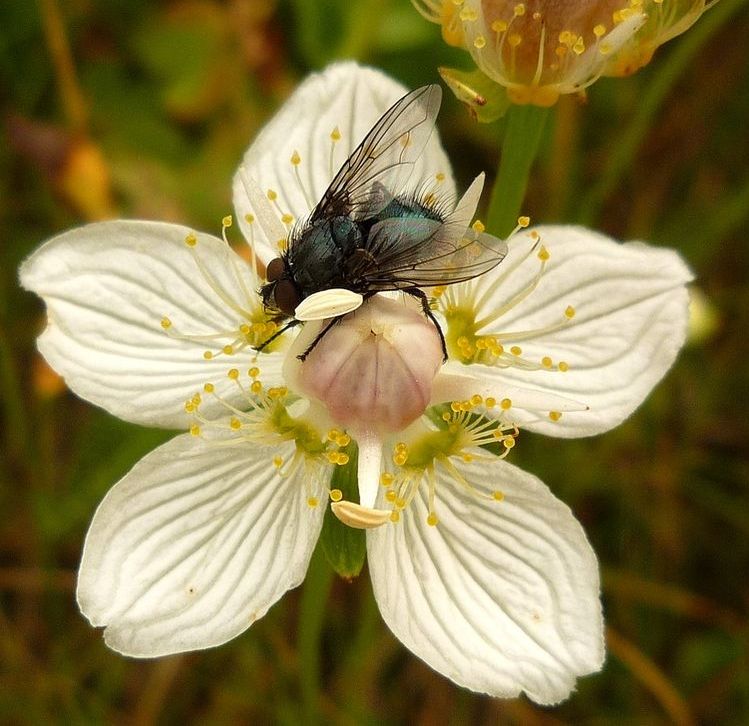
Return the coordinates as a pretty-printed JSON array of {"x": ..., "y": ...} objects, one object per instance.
[{"x": 366, "y": 235}]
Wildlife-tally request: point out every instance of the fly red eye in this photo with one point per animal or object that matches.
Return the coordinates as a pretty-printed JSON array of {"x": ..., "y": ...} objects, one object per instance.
[
  {"x": 274, "y": 270},
  {"x": 286, "y": 295}
]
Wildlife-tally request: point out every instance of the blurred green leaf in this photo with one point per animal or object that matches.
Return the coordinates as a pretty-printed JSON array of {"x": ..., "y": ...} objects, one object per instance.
[{"x": 344, "y": 547}]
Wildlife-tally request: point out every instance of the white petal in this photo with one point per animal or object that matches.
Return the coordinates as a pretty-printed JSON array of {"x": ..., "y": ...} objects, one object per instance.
[
  {"x": 328, "y": 304},
  {"x": 107, "y": 287},
  {"x": 630, "y": 303},
  {"x": 501, "y": 596},
  {"x": 344, "y": 96},
  {"x": 193, "y": 546}
]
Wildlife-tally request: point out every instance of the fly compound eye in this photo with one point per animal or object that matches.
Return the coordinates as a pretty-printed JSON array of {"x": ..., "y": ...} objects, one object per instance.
[
  {"x": 286, "y": 295},
  {"x": 274, "y": 270}
]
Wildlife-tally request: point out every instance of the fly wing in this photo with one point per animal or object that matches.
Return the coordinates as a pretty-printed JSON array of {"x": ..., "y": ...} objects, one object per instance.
[
  {"x": 406, "y": 253},
  {"x": 380, "y": 166}
]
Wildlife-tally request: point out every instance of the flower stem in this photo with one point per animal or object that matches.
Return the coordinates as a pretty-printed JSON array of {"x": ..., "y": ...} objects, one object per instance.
[
  {"x": 524, "y": 128},
  {"x": 311, "y": 618}
]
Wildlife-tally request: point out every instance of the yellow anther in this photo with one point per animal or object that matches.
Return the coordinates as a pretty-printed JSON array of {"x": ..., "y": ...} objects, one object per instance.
[
  {"x": 390, "y": 495},
  {"x": 208, "y": 355},
  {"x": 400, "y": 502},
  {"x": 228, "y": 350},
  {"x": 233, "y": 373},
  {"x": 272, "y": 195},
  {"x": 505, "y": 404},
  {"x": 343, "y": 440},
  {"x": 547, "y": 362},
  {"x": 519, "y": 9},
  {"x": 400, "y": 446},
  {"x": 191, "y": 240},
  {"x": 446, "y": 416},
  {"x": 256, "y": 387},
  {"x": 400, "y": 459},
  {"x": 343, "y": 459},
  {"x": 455, "y": 406},
  {"x": 524, "y": 221},
  {"x": 563, "y": 366},
  {"x": 227, "y": 221},
  {"x": 386, "y": 479},
  {"x": 209, "y": 387},
  {"x": 287, "y": 218},
  {"x": 569, "y": 313},
  {"x": 195, "y": 430},
  {"x": 312, "y": 502},
  {"x": 498, "y": 495},
  {"x": 516, "y": 350},
  {"x": 196, "y": 399},
  {"x": 189, "y": 407},
  {"x": 508, "y": 442},
  {"x": 249, "y": 218},
  {"x": 543, "y": 254},
  {"x": 432, "y": 519},
  {"x": 499, "y": 26},
  {"x": 333, "y": 434},
  {"x": 515, "y": 40},
  {"x": 295, "y": 158},
  {"x": 600, "y": 30},
  {"x": 565, "y": 37},
  {"x": 394, "y": 516},
  {"x": 235, "y": 423},
  {"x": 579, "y": 47},
  {"x": 479, "y": 42},
  {"x": 253, "y": 372},
  {"x": 166, "y": 323},
  {"x": 332, "y": 457},
  {"x": 336, "y": 495},
  {"x": 245, "y": 329},
  {"x": 468, "y": 14},
  {"x": 335, "y": 134},
  {"x": 490, "y": 402},
  {"x": 478, "y": 226},
  {"x": 537, "y": 15},
  {"x": 555, "y": 415},
  {"x": 476, "y": 400},
  {"x": 278, "y": 461}
]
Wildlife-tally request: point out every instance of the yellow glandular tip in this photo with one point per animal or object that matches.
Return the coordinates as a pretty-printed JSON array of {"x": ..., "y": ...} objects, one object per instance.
[
  {"x": 498, "y": 495},
  {"x": 249, "y": 218},
  {"x": 166, "y": 323},
  {"x": 191, "y": 240},
  {"x": 195, "y": 430},
  {"x": 209, "y": 387},
  {"x": 336, "y": 495},
  {"x": 432, "y": 519},
  {"x": 555, "y": 415},
  {"x": 312, "y": 502},
  {"x": 227, "y": 221}
]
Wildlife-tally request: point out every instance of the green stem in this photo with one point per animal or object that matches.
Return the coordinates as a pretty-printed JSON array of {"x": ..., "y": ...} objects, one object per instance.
[
  {"x": 311, "y": 619},
  {"x": 524, "y": 128},
  {"x": 649, "y": 103}
]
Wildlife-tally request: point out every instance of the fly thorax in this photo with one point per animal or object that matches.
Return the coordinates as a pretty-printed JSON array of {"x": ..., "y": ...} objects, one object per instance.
[{"x": 374, "y": 369}]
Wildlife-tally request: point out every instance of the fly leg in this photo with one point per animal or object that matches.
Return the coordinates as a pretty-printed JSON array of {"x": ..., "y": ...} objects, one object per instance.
[
  {"x": 325, "y": 329},
  {"x": 421, "y": 296},
  {"x": 292, "y": 323},
  {"x": 319, "y": 337}
]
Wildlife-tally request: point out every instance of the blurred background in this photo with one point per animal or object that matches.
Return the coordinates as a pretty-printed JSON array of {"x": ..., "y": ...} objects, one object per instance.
[{"x": 143, "y": 109}]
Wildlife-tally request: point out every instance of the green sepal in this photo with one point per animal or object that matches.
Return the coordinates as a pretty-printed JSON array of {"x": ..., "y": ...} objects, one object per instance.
[
  {"x": 486, "y": 100},
  {"x": 344, "y": 547}
]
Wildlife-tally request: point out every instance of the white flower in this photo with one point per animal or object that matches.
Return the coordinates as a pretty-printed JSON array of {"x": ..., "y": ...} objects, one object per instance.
[{"x": 476, "y": 567}]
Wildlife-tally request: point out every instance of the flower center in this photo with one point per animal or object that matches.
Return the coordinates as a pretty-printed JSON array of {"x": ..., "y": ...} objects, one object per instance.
[
  {"x": 266, "y": 421},
  {"x": 466, "y": 429},
  {"x": 463, "y": 310},
  {"x": 373, "y": 370},
  {"x": 253, "y": 325}
]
